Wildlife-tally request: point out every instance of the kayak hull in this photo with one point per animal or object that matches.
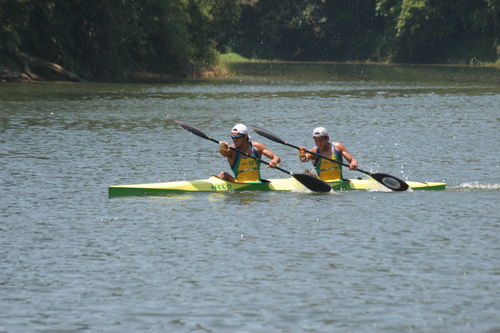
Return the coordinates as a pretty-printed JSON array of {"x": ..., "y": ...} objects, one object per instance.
[{"x": 215, "y": 184}]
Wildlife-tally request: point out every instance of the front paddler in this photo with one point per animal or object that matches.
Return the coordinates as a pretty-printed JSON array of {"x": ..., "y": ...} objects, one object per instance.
[
  {"x": 327, "y": 170},
  {"x": 245, "y": 169}
]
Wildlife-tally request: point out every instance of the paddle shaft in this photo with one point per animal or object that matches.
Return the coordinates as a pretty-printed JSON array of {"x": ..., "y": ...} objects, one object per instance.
[{"x": 199, "y": 133}]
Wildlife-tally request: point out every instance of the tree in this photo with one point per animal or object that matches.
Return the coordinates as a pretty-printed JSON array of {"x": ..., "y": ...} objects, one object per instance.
[
  {"x": 110, "y": 38},
  {"x": 308, "y": 29},
  {"x": 440, "y": 31}
]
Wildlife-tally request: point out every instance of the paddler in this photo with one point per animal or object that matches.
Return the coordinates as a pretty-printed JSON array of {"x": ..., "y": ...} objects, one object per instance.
[
  {"x": 327, "y": 170},
  {"x": 245, "y": 169}
]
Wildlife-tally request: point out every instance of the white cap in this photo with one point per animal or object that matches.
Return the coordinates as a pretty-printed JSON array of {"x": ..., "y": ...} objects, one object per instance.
[
  {"x": 240, "y": 129},
  {"x": 320, "y": 131}
]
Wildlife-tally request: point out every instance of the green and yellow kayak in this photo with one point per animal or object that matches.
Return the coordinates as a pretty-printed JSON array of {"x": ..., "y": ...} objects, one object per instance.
[{"x": 215, "y": 184}]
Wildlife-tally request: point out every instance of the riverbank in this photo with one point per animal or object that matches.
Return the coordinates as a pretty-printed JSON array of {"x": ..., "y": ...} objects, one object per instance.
[
  {"x": 10, "y": 72},
  {"x": 235, "y": 58}
]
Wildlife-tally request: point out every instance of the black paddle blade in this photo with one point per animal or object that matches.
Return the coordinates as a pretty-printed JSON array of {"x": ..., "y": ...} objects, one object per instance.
[
  {"x": 389, "y": 181},
  {"x": 312, "y": 183},
  {"x": 267, "y": 134},
  {"x": 192, "y": 129}
]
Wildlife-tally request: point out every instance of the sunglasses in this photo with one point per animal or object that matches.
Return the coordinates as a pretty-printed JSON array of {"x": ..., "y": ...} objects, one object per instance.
[{"x": 236, "y": 136}]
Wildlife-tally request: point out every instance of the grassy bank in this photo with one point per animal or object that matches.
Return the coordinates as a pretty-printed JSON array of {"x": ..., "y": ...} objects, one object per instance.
[{"x": 226, "y": 58}]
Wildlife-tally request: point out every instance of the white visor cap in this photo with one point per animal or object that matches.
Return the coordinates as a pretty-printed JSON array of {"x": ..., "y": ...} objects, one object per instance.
[
  {"x": 320, "y": 131},
  {"x": 240, "y": 129}
]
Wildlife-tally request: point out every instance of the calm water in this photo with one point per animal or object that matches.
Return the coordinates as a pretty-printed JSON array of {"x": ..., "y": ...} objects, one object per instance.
[{"x": 73, "y": 260}]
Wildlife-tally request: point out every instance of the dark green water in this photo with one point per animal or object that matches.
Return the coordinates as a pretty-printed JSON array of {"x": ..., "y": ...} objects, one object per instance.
[{"x": 74, "y": 260}]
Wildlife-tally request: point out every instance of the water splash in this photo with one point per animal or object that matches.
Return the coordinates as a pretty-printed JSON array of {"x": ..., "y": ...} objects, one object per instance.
[{"x": 476, "y": 186}]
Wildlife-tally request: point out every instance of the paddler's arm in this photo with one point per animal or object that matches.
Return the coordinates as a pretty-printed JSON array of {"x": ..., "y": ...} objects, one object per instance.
[
  {"x": 353, "y": 163},
  {"x": 275, "y": 159}
]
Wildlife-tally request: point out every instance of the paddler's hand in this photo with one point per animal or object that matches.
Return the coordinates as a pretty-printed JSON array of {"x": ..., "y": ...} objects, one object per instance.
[
  {"x": 353, "y": 165},
  {"x": 302, "y": 153},
  {"x": 224, "y": 149},
  {"x": 273, "y": 164}
]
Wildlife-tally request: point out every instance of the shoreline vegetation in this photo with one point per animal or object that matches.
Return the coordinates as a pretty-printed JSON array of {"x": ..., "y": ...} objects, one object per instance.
[
  {"x": 155, "y": 40},
  {"x": 40, "y": 70},
  {"x": 235, "y": 58}
]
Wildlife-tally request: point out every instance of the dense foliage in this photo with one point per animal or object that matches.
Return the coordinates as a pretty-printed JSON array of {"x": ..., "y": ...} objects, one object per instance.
[
  {"x": 411, "y": 31},
  {"x": 112, "y": 38}
]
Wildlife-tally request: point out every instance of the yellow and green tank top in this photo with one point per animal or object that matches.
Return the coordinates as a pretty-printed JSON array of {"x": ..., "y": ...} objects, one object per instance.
[
  {"x": 328, "y": 170},
  {"x": 247, "y": 169}
]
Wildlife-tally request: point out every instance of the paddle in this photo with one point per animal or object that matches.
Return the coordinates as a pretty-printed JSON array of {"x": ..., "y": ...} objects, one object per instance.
[
  {"x": 389, "y": 181},
  {"x": 312, "y": 183}
]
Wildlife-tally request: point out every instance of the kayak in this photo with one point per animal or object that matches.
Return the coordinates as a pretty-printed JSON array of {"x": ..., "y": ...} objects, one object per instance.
[{"x": 215, "y": 184}]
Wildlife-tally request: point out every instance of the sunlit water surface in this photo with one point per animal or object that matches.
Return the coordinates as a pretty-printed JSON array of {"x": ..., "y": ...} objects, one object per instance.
[{"x": 73, "y": 260}]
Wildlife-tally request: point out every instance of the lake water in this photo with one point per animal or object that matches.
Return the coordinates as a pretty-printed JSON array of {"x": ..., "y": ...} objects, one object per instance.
[{"x": 74, "y": 260}]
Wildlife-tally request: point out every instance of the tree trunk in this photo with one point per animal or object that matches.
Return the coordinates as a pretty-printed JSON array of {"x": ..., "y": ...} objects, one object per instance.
[{"x": 29, "y": 63}]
